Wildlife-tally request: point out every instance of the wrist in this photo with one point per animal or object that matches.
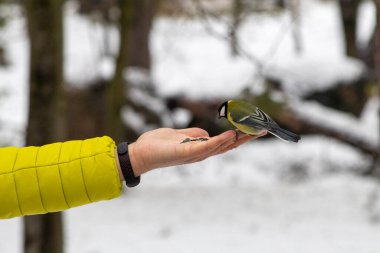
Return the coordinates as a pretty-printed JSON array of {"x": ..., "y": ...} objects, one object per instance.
[{"x": 137, "y": 167}]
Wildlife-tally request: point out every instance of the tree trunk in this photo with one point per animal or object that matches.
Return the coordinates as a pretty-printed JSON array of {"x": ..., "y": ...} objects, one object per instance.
[
  {"x": 135, "y": 24},
  {"x": 117, "y": 88},
  {"x": 377, "y": 67},
  {"x": 138, "y": 34},
  {"x": 349, "y": 10},
  {"x": 43, "y": 233},
  {"x": 237, "y": 10},
  {"x": 86, "y": 111}
]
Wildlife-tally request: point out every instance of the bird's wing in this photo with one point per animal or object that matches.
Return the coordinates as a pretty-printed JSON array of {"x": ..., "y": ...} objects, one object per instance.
[{"x": 258, "y": 119}]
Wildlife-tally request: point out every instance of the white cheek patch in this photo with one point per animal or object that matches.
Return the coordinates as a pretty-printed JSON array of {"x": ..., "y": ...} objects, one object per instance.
[{"x": 222, "y": 111}]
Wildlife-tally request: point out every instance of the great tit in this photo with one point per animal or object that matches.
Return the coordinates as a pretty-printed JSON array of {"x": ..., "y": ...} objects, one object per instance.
[{"x": 252, "y": 120}]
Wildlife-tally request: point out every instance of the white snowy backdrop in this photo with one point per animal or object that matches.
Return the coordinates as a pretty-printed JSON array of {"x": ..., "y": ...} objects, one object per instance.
[{"x": 267, "y": 196}]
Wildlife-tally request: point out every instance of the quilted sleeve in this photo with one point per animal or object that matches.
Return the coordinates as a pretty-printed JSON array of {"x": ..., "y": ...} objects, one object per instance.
[{"x": 55, "y": 177}]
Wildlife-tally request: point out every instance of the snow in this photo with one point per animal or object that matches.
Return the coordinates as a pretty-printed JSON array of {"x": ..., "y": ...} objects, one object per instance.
[
  {"x": 366, "y": 22},
  {"x": 87, "y": 55},
  {"x": 187, "y": 41},
  {"x": 181, "y": 117},
  {"x": 366, "y": 127},
  {"x": 286, "y": 218},
  {"x": 266, "y": 196},
  {"x": 315, "y": 73},
  {"x": 179, "y": 47},
  {"x": 13, "y": 81}
]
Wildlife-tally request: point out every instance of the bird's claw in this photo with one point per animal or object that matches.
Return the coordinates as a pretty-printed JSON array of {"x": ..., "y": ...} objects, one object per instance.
[{"x": 237, "y": 134}]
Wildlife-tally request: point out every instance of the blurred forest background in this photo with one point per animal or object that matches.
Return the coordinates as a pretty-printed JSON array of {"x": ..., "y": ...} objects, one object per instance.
[{"x": 85, "y": 68}]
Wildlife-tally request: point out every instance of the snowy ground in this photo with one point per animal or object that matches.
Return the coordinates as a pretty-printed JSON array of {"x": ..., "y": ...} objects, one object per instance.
[{"x": 267, "y": 196}]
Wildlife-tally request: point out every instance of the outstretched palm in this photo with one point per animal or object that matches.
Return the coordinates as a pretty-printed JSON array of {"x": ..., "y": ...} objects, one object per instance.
[{"x": 162, "y": 147}]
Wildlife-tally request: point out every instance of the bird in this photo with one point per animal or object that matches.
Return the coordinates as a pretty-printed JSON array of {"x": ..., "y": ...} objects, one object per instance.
[{"x": 251, "y": 120}]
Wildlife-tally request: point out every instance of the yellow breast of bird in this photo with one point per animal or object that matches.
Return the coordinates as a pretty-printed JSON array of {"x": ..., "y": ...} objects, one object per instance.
[{"x": 245, "y": 129}]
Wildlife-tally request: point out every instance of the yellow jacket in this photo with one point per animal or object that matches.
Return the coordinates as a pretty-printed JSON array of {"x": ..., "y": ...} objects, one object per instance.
[{"x": 55, "y": 177}]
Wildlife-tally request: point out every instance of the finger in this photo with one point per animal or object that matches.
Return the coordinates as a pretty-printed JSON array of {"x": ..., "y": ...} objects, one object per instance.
[
  {"x": 241, "y": 141},
  {"x": 194, "y": 132},
  {"x": 226, "y": 146},
  {"x": 219, "y": 149},
  {"x": 195, "y": 160},
  {"x": 195, "y": 149}
]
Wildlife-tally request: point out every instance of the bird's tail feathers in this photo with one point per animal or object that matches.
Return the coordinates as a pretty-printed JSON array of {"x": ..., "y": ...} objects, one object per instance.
[{"x": 285, "y": 134}]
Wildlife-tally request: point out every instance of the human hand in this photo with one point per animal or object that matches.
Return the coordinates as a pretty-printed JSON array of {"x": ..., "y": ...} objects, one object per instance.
[{"x": 162, "y": 147}]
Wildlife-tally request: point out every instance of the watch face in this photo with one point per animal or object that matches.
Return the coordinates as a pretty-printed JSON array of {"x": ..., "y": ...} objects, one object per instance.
[{"x": 122, "y": 148}]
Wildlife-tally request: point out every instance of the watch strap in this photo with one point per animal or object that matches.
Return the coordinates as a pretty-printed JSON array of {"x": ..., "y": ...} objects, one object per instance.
[{"x": 125, "y": 164}]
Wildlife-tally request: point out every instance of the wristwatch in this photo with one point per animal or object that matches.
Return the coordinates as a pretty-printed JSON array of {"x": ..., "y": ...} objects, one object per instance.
[{"x": 125, "y": 164}]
